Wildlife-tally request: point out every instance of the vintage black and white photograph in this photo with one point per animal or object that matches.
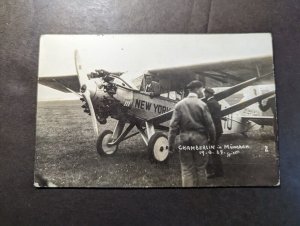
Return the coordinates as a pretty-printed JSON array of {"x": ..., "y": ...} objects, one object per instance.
[{"x": 156, "y": 110}]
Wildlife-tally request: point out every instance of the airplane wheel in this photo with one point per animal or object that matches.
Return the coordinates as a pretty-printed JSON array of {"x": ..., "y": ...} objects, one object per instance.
[
  {"x": 102, "y": 143},
  {"x": 158, "y": 147}
]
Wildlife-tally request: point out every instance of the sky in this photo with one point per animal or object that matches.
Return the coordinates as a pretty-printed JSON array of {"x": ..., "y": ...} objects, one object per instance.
[{"x": 125, "y": 53}]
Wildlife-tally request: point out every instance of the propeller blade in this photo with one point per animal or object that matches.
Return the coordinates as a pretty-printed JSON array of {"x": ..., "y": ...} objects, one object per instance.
[
  {"x": 82, "y": 76},
  {"x": 87, "y": 97}
]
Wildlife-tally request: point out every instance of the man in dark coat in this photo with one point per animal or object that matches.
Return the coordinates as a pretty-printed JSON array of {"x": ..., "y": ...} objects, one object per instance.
[
  {"x": 151, "y": 87},
  {"x": 214, "y": 167},
  {"x": 191, "y": 126}
]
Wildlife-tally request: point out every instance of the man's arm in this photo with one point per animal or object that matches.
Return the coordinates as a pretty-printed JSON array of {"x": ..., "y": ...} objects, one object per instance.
[
  {"x": 174, "y": 127},
  {"x": 209, "y": 124},
  {"x": 214, "y": 108},
  {"x": 155, "y": 89}
]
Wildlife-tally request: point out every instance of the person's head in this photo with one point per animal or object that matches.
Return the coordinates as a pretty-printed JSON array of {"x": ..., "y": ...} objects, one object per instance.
[
  {"x": 196, "y": 87},
  {"x": 208, "y": 92},
  {"x": 148, "y": 78}
]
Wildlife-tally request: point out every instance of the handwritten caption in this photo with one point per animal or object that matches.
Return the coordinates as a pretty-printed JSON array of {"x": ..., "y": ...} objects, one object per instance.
[{"x": 227, "y": 150}]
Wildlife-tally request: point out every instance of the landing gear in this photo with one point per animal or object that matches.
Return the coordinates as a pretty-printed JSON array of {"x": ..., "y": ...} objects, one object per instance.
[
  {"x": 103, "y": 146},
  {"x": 158, "y": 147}
]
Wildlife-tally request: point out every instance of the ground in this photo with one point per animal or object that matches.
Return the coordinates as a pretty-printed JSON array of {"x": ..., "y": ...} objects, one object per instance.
[{"x": 66, "y": 155}]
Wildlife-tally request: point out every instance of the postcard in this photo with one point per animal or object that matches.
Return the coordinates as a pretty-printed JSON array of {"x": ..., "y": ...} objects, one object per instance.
[{"x": 156, "y": 110}]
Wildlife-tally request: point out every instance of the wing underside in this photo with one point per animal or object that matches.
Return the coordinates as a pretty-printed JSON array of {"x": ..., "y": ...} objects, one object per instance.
[
  {"x": 214, "y": 74},
  {"x": 61, "y": 83}
]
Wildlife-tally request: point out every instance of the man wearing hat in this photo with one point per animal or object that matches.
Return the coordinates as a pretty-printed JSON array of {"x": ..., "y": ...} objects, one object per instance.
[
  {"x": 151, "y": 87},
  {"x": 214, "y": 167},
  {"x": 191, "y": 126}
]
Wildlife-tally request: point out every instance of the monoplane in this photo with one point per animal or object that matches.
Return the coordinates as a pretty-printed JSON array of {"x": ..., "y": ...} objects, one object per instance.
[{"x": 238, "y": 85}]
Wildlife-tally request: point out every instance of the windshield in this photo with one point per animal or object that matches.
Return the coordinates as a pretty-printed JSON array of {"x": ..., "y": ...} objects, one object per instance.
[{"x": 134, "y": 78}]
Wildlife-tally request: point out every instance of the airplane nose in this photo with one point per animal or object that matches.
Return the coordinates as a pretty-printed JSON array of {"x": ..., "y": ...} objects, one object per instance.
[
  {"x": 83, "y": 88},
  {"x": 89, "y": 86}
]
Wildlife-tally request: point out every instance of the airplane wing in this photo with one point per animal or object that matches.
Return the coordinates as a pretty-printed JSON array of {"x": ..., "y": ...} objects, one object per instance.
[
  {"x": 214, "y": 74},
  {"x": 161, "y": 118},
  {"x": 260, "y": 120},
  {"x": 65, "y": 84}
]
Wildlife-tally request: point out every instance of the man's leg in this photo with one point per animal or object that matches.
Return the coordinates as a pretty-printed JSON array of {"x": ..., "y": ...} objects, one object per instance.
[
  {"x": 187, "y": 168},
  {"x": 210, "y": 166},
  {"x": 218, "y": 166},
  {"x": 215, "y": 167},
  {"x": 200, "y": 164}
]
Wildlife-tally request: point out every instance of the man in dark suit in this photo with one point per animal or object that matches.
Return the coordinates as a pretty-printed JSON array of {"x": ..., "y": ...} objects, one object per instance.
[
  {"x": 214, "y": 167},
  {"x": 151, "y": 87}
]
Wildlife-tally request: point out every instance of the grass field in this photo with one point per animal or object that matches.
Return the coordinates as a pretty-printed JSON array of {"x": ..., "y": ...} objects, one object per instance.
[{"x": 66, "y": 155}]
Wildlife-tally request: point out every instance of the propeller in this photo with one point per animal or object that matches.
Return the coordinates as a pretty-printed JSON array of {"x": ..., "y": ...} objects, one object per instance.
[
  {"x": 84, "y": 83},
  {"x": 82, "y": 76},
  {"x": 87, "y": 97}
]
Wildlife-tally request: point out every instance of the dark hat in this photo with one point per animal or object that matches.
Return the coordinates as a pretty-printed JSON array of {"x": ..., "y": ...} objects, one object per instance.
[
  {"x": 194, "y": 84},
  {"x": 209, "y": 90}
]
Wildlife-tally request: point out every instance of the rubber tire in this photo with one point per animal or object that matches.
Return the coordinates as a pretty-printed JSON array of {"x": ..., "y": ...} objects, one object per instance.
[
  {"x": 100, "y": 144},
  {"x": 151, "y": 145}
]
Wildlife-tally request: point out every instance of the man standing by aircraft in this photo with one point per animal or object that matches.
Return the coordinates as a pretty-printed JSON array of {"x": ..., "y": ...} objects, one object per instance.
[
  {"x": 193, "y": 124},
  {"x": 214, "y": 166},
  {"x": 151, "y": 87}
]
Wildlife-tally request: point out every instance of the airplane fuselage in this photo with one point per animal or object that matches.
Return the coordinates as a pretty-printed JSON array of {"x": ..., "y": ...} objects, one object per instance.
[{"x": 127, "y": 104}]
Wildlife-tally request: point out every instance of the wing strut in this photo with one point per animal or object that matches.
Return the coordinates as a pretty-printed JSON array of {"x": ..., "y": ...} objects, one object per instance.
[
  {"x": 245, "y": 104},
  {"x": 219, "y": 96},
  {"x": 226, "y": 93}
]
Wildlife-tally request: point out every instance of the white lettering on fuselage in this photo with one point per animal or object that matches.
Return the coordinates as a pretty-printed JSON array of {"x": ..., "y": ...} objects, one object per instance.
[{"x": 144, "y": 105}]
